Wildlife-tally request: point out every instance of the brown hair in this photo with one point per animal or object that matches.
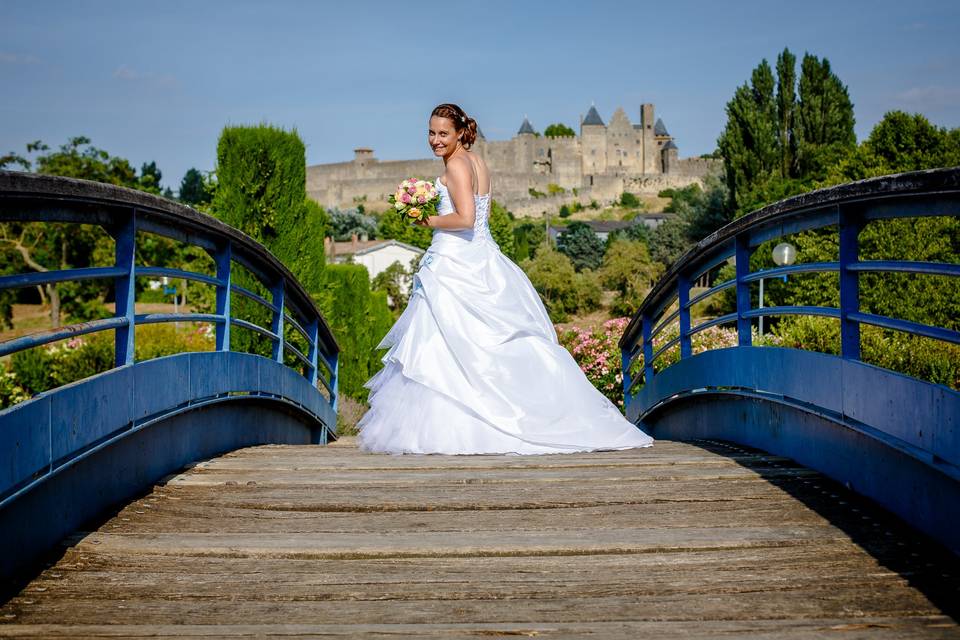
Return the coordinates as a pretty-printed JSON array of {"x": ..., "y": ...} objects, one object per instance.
[{"x": 461, "y": 122}]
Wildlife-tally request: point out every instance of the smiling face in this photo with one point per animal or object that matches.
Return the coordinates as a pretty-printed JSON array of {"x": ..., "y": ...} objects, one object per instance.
[{"x": 442, "y": 136}]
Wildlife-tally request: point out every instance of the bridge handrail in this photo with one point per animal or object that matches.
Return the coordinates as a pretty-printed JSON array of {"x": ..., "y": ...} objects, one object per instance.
[
  {"x": 122, "y": 212},
  {"x": 850, "y": 207}
]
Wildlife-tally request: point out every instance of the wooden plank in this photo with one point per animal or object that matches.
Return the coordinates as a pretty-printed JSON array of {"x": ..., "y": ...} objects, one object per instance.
[{"x": 677, "y": 541}]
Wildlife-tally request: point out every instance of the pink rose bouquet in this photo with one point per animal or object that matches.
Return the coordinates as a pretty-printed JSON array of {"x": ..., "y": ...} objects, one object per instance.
[{"x": 415, "y": 199}]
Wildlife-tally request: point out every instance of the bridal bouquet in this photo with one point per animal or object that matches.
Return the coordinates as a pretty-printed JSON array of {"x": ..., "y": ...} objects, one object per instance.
[{"x": 415, "y": 199}]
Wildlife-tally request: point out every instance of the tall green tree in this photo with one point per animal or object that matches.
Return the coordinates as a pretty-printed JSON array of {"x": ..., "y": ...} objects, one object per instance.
[
  {"x": 501, "y": 228},
  {"x": 579, "y": 243},
  {"x": 825, "y": 119},
  {"x": 748, "y": 143},
  {"x": 195, "y": 189},
  {"x": 786, "y": 110},
  {"x": 150, "y": 176}
]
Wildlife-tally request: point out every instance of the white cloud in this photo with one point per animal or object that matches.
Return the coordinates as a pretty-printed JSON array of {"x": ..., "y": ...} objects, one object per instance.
[
  {"x": 7, "y": 57},
  {"x": 125, "y": 73},
  {"x": 931, "y": 96}
]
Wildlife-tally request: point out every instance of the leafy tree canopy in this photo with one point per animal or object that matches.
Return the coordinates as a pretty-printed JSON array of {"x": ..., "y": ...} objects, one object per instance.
[
  {"x": 579, "y": 243},
  {"x": 558, "y": 131}
]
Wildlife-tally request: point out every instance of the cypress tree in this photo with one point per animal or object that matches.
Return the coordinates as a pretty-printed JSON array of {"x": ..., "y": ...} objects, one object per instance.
[
  {"x": 824, "y": 118},
  {"x": 786, "y": 105}
]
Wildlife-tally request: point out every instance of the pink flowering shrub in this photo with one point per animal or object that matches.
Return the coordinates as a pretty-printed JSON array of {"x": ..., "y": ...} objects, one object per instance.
[{"x": 598, "y": 354}]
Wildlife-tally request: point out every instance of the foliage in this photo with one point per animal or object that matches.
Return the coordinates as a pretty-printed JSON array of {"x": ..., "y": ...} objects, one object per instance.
[
  {"x": 705, "y": 210},
  {"x": 391, "y": 281},
  {"x": 597, "y": 353},
  {"x": 536, "y": 194},
  {"x": 344, "y": 223},
  {"x": 923, "y": 358},
  {"x": 501, "y": 228},
  {"x": 637, "y": 232},
  {"x": 553, "y": 188},
  {"x": 563, "y": 290},
  {"x": 42, "y": 368},
  {"x": 669, "y": 240},
  {"x": 579, "y": 243},
  {"x": 528, "y": 237},
  {"x": 395, "y": 227},
  {"x": 629, "y": 200},
  {"x": 558, "y": 130},
  {"x": 777, "y": 145},
  {"x": 628, "y": 270},
  {"x": 564, "y": 211},
  {"x": 359, "y": 318},
  {"x": 196, "y": 189}
]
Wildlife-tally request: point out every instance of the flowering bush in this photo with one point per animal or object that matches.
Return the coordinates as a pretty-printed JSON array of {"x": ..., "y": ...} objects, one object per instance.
[
  {"x": 415, "y": 199},
  {"x": 598, "y": 355},
  {"x": 35, "y": 370}
]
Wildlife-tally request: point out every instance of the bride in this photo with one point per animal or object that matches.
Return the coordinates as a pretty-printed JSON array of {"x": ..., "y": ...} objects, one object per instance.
[{"x": 473, "y": 363}]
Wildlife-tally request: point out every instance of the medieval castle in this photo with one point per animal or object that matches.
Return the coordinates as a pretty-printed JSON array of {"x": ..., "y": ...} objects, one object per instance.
[{"x": 533, "y": 173}]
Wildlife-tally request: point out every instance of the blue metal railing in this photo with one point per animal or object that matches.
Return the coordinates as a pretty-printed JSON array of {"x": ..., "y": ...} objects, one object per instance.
[
  {"x": 123, "y": 213},
  {"x": 849, "y": 207},
  {"x": 891, "y": 437}
]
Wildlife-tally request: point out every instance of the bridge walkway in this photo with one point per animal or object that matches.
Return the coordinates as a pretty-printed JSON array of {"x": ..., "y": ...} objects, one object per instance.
[{"x": 691, "y": 540}]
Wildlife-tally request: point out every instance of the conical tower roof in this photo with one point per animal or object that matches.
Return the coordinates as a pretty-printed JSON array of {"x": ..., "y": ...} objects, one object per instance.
[
  {"x": 526, "y": 127},
  {"x": 669, "y": 145},
  {"x": 660, "y": 129},
  {"x": 593, "y": 117}
]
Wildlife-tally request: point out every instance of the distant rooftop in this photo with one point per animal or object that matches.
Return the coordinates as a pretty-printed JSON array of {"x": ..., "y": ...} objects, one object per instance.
[
  {"x": 660, "y": 129},
  {"x": 593, "y": 117},
  {"x": 526, "y": 127}
]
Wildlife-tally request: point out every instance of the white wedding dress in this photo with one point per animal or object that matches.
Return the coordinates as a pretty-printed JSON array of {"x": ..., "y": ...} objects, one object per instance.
[{"x": 473, "y": 363}]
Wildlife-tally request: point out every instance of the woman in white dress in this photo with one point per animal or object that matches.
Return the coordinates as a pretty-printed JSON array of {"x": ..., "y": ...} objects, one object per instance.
[{"x": 473, "y": 363}]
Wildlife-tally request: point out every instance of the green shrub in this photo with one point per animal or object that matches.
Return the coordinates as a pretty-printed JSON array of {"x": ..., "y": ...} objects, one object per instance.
[
  {"x": 359, "y": 319},
  {"x": 562, "y": 289},
  {"x": 629, "y": 200}
]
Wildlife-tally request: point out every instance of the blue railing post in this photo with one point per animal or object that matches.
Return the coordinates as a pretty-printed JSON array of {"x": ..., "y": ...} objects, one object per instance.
[
  {"x": 334, "y": 382},
  {"x": 223, "y": 258},
  {"x": 742, "y": 257},
  {"x": 313, "y": 329},
  {"x": 683, "y": 300},
  {"x": 850, "y": 226},
  {"x": 625, "y": 356},
  {"x": 277, "y": 325},
  {"x": 646, "y": 329},
  {"x": 125, "y": 245}
]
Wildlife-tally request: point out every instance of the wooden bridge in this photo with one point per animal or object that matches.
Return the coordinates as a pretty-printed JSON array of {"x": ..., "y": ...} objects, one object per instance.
[
  {"x": 265, "y": 533},
  {"x": 683, "y": 540}
]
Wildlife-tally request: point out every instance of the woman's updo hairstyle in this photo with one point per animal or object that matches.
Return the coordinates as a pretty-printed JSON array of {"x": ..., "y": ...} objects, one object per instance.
[{"x": 461, "y": 122}]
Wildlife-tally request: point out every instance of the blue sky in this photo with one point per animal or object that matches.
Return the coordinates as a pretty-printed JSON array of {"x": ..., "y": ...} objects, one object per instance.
[{"x": 158, "y": 81}]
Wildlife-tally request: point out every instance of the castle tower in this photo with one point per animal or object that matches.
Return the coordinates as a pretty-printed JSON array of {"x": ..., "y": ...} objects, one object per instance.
[
  {"x": 593, "y": 139},
  {"x": 524, "y": 143},
  {"x": 650, "y": 152},
  {"x": 668, "y": 156}
]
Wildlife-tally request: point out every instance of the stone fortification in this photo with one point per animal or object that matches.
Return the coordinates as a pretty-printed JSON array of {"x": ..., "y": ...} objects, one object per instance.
[{"x": 600, "y": 164}]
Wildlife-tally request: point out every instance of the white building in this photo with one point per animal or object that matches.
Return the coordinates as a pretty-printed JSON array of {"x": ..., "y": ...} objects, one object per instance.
[{"x": 375, "y": 255}]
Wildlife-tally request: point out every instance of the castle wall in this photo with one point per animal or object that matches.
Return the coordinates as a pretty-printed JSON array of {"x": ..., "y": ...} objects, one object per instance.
[{"x": 601, "y": 163}]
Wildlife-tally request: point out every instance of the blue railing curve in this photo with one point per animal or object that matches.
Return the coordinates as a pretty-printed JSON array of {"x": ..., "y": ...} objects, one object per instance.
[{"x": 761, "y": 395}]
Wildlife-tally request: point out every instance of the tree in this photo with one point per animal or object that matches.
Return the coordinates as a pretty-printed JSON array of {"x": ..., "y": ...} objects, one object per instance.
[
  {"x": 669, "y": 240},
  {"x": 628, "y": 269},
  {"x": 779, "y": 147},
  {"x": 396, "y": 227},
  {"x": 528, "y": 237},
  {"x": 54, "y": 246},
  {"x": 629, "y": 200},
  {"x": 195, "y": 189},
  {"x": 786, "y": 108},
  {"x": 824, "y": 120},
  {"x": 563, "y": 290},
  {"x": 150, "y": 177},
  {"x": 558, "y": 131},
  {"x": 501, "y": 228},
  {"x": 393, "y": 280},
  {"x": 705, "y": 210},
  {"x": 579, "y": 243},
  {"x": 749, "y": 141}
]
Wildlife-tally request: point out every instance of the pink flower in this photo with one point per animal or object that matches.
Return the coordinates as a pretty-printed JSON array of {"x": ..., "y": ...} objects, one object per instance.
[
  {"x": 421, "y": 199},
  {"x": 406, "y": 198}
]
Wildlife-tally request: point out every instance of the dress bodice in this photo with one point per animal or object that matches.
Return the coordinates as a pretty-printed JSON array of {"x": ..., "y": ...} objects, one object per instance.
[{"x": 481, "y": 228}]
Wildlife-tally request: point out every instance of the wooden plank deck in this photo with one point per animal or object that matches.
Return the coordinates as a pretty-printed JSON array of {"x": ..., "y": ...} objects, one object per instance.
[{"x": 700, "y": 540}]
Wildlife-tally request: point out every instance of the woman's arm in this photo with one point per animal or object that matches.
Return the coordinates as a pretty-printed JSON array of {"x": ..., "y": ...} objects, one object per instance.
[{"x": 460, "y": 185}]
